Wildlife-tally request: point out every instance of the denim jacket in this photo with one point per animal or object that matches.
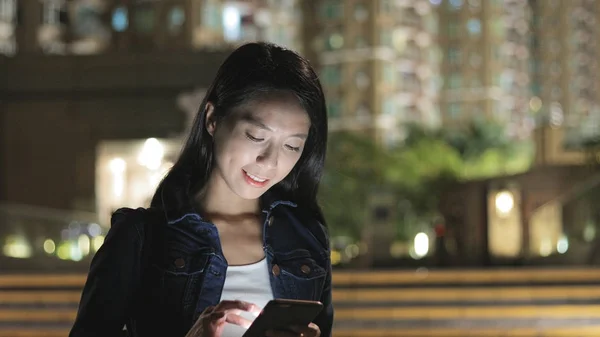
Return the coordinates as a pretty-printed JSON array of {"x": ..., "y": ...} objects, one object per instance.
[{"x": 185, "y": 270}]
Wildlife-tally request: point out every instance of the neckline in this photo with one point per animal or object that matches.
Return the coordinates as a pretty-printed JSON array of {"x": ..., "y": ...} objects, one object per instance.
[{"x": 248, "y": 265}]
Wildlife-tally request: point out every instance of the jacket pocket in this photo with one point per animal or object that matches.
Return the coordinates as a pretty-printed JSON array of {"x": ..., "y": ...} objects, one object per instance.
[
  {"x": 302, "y": 276},
  {"x": 179, "y": 274}
]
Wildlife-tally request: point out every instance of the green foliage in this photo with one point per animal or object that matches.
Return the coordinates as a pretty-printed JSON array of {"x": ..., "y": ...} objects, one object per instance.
[{"x": 417, "y": 171}]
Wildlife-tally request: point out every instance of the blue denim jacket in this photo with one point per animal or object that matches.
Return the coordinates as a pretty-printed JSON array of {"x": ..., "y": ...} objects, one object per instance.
[{"x": 159, "y": 288}]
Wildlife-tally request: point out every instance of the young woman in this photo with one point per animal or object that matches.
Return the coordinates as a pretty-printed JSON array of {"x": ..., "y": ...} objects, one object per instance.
[{"x": 234, "y": 224}]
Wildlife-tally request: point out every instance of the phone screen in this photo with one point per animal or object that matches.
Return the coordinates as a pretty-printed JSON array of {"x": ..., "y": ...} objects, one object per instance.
[{"x": 282, "y": 314}]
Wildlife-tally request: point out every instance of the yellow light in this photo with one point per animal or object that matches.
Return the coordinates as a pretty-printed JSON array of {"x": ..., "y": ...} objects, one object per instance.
[
  {"x": 505, "y": 202},
  {"x": 152, "y": 154},
  {"x": 49, "y": 246},
  {"x": 336, "y": 257},
  {"x": 97, "y": 242},
  {"x": 535, "y": 104},
  {"x": 421, "y": 244},
  {"x": 17, "y": 247},
  {"x": 117, "y": 167},
  {"x": 64, "y": 250},
  {"x": 83, "y": 244}
]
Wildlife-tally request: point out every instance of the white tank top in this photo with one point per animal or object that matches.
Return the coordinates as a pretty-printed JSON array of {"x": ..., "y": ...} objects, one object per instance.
[{"x": 248, "y": 283}]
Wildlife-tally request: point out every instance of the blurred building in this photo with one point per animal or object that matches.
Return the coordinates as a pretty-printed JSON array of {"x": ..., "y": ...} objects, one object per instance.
[
  {"x": 565, "y": 67},
  {"x": 485, "y": 61},
  {"x": 378, "y": 62}
]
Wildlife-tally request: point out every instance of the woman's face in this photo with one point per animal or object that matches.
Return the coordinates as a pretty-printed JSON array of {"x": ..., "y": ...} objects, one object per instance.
[{"x": 257, "y": 144}]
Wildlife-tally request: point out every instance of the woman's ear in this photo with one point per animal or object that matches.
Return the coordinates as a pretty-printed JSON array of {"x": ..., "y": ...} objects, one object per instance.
[{"x": 210, "y": 120}]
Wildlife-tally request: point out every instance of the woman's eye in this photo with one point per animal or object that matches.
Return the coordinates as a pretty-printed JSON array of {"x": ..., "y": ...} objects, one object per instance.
[
  {"x": 292, "y": 148},
  {"x": 254, "y": 139}
]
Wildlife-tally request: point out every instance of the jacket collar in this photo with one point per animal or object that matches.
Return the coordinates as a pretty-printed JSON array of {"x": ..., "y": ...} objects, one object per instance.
[{"x": 176, "y": 200}]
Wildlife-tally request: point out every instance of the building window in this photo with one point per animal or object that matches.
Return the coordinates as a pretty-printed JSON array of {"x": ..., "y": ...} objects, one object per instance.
[
  {"x": 474, "y": 27},
  {"x": 54, "y": 13},
  {"x": 454, "y": 56},
  {"x": 332, "y": 9},
  {"x": 452, "y": 29},
  {"x": 120, "y": 19},
  {"x": 232, "y": 22},
  {"x": 497, "y": 28},
  {"x": 334, "y": 108},
  {"x": 388, "y": 73},
  {"x": 8, "y": 11},
  {"x": 362, "y": 79},
  {"x": 331, "y": 76},
  {"x": 386, "y": 6},
  {"x": 497, "y": 53},
  {"x": 361, "y": 12},
  {"x": 455, "y": 4},
  {"x": 454, "y": 110},
  {"x": 176, "y": 20},
  {"x": 360, "y": 42},
  {"x": 143, "y": 19},
  {"x": 385, "y": 38},
  {"x": 211, "y": 16},
  {"x": 388, "y": 106},
  {"x": 455, "y": 81}
]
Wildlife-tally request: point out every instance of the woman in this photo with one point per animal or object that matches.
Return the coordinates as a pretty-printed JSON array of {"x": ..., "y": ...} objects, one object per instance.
[{"x": 234, "y": 224}]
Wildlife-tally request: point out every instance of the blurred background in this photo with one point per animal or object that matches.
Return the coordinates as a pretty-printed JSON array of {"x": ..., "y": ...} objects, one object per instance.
[{"x": 464, "y": 134}]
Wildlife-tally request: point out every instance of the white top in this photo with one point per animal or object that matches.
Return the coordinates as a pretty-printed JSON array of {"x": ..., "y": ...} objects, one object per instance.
[{"x": 249, "y": 283}]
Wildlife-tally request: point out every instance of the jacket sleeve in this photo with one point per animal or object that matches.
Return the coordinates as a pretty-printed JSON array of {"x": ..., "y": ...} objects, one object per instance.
[
  {"x": 108, "y": 294},
  {"x": 325, "y": 318}
]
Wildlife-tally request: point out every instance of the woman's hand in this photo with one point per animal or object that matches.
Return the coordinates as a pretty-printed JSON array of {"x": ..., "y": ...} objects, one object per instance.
[
  {"x": 213, "y": 319},
  {"x": 312, "y": 330}
]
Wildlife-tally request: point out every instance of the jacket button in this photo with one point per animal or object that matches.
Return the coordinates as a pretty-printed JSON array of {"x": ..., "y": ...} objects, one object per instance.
[
  {"x": 276, "y": 270},
  {"x": 305, "y": 269},
  {"x": 179, "y": 262},
  {"x": 270, "y": 221}
]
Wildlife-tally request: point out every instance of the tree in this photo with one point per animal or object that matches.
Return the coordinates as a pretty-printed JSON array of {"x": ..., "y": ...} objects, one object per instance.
[{"x": 354, "y": 165}]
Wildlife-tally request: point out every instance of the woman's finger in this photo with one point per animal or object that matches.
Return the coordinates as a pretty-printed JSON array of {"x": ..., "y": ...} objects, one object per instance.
[
  {"x": 237, "y": 320},
  {"x": 312, "y": 330},
  {"x": 240, "y": 305}
]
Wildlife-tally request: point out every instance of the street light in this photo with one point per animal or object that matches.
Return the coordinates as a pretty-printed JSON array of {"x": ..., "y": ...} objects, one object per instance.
[{"x": 505, "y": 203}]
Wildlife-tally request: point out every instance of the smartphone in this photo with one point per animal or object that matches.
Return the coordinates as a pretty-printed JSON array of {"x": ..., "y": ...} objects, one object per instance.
[{"x": 281, "y": 314}]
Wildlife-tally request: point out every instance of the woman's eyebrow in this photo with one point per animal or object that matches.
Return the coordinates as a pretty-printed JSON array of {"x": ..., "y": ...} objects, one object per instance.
[{"x": 248, "y": 118}]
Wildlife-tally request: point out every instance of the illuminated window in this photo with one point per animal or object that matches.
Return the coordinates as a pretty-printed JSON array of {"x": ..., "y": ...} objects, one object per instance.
[
  {"x": 120, "y": 19},
  {"x": 8, "y": 10},
  {"x": 455, "y": 4},
  {"x": 53, "y": 13},
  {"x": 332, "y": 9},
  {"x": 474, "y": 27},
  {"x": 232, "y": 21},
  {"x": 176, "y": 19},
  {"x": 388, "y": 106}
]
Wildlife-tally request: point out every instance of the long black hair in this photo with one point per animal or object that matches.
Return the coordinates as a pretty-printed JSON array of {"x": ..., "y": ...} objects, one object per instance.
[{"x": 249, "y": 72}]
